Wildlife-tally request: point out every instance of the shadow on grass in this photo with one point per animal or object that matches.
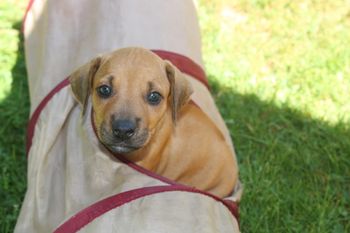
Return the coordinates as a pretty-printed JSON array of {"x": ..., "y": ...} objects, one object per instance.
[
  {"x": 13, "y": 117},
  {"x": 296, "y": 170}
]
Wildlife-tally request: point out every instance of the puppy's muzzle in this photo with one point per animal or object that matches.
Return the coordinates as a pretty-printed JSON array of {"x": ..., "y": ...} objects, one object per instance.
[
  {"x": 123, "y": 135},
  {"x": 123, "y": 129}
]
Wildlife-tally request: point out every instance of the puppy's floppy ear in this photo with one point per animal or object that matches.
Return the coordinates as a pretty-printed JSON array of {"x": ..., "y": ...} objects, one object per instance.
[
  {"x": 81, "y": 81},
  {"x": 180, "y": 88}
]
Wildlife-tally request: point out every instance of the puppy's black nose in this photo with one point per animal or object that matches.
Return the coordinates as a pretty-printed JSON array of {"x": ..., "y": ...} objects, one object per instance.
[{"x": 123, "y": 129}]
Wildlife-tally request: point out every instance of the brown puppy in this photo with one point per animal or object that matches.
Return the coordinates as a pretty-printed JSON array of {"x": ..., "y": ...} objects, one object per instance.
[{"x": 141, "y": 110}]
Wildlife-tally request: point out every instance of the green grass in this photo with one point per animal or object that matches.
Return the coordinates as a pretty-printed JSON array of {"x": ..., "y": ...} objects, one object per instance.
[
  {"x": 280, "y": 75},
  {"x": 292, "y": 53},
  {"x": 14, "y": 110},
  {"x": 280, "y": 71}
]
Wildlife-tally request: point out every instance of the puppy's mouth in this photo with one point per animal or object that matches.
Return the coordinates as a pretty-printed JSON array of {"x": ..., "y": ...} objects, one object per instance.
[
  {"x": 122, "y": 149},
  {"x": 118, "y": 146}
]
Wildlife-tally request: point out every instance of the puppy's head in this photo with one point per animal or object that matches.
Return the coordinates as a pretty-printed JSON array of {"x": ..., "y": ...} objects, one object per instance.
[{"x": 131, "y": 91}]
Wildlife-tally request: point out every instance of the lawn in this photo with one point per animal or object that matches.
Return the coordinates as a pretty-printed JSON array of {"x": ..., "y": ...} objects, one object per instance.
[{"x": 279, "y": 71}]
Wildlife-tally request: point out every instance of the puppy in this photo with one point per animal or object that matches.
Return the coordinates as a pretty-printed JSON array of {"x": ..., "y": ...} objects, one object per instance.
[{"x": 141, "y": 110}]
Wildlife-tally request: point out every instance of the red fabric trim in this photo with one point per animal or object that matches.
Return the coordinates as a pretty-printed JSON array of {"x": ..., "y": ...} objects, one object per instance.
[
  {"x": 29, "y": 6},
  {"x": 35, "y": 116},
  {"x": 89, "y": 214},
  {"x": 185, "y": 64}
]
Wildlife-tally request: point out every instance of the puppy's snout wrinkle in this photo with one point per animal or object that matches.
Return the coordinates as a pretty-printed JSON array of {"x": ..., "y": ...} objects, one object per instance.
[{"x": 123, "y": 129}]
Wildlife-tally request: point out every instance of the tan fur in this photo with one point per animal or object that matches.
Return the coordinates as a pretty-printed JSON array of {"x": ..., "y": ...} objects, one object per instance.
[{"x": 183, "y": 144}]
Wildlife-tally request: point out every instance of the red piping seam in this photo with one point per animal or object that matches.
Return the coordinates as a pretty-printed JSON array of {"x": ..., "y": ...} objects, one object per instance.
[
  {"x": 87, "y": 215},
  {"x": 29, "y": 6},
  {"x": 187, "y": 65},
  {"x": 35, "y": 116}
]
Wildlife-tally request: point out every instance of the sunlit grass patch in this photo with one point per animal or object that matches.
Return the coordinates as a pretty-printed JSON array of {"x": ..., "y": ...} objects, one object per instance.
[
  {"x": 9, "y": 13},
  {"x": 294, "y": 53}
]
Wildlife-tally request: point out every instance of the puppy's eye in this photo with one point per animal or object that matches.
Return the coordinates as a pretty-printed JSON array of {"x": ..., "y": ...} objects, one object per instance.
[
  {"x": 154, "y": 98},
  {"x": 104, "y": 91}
]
